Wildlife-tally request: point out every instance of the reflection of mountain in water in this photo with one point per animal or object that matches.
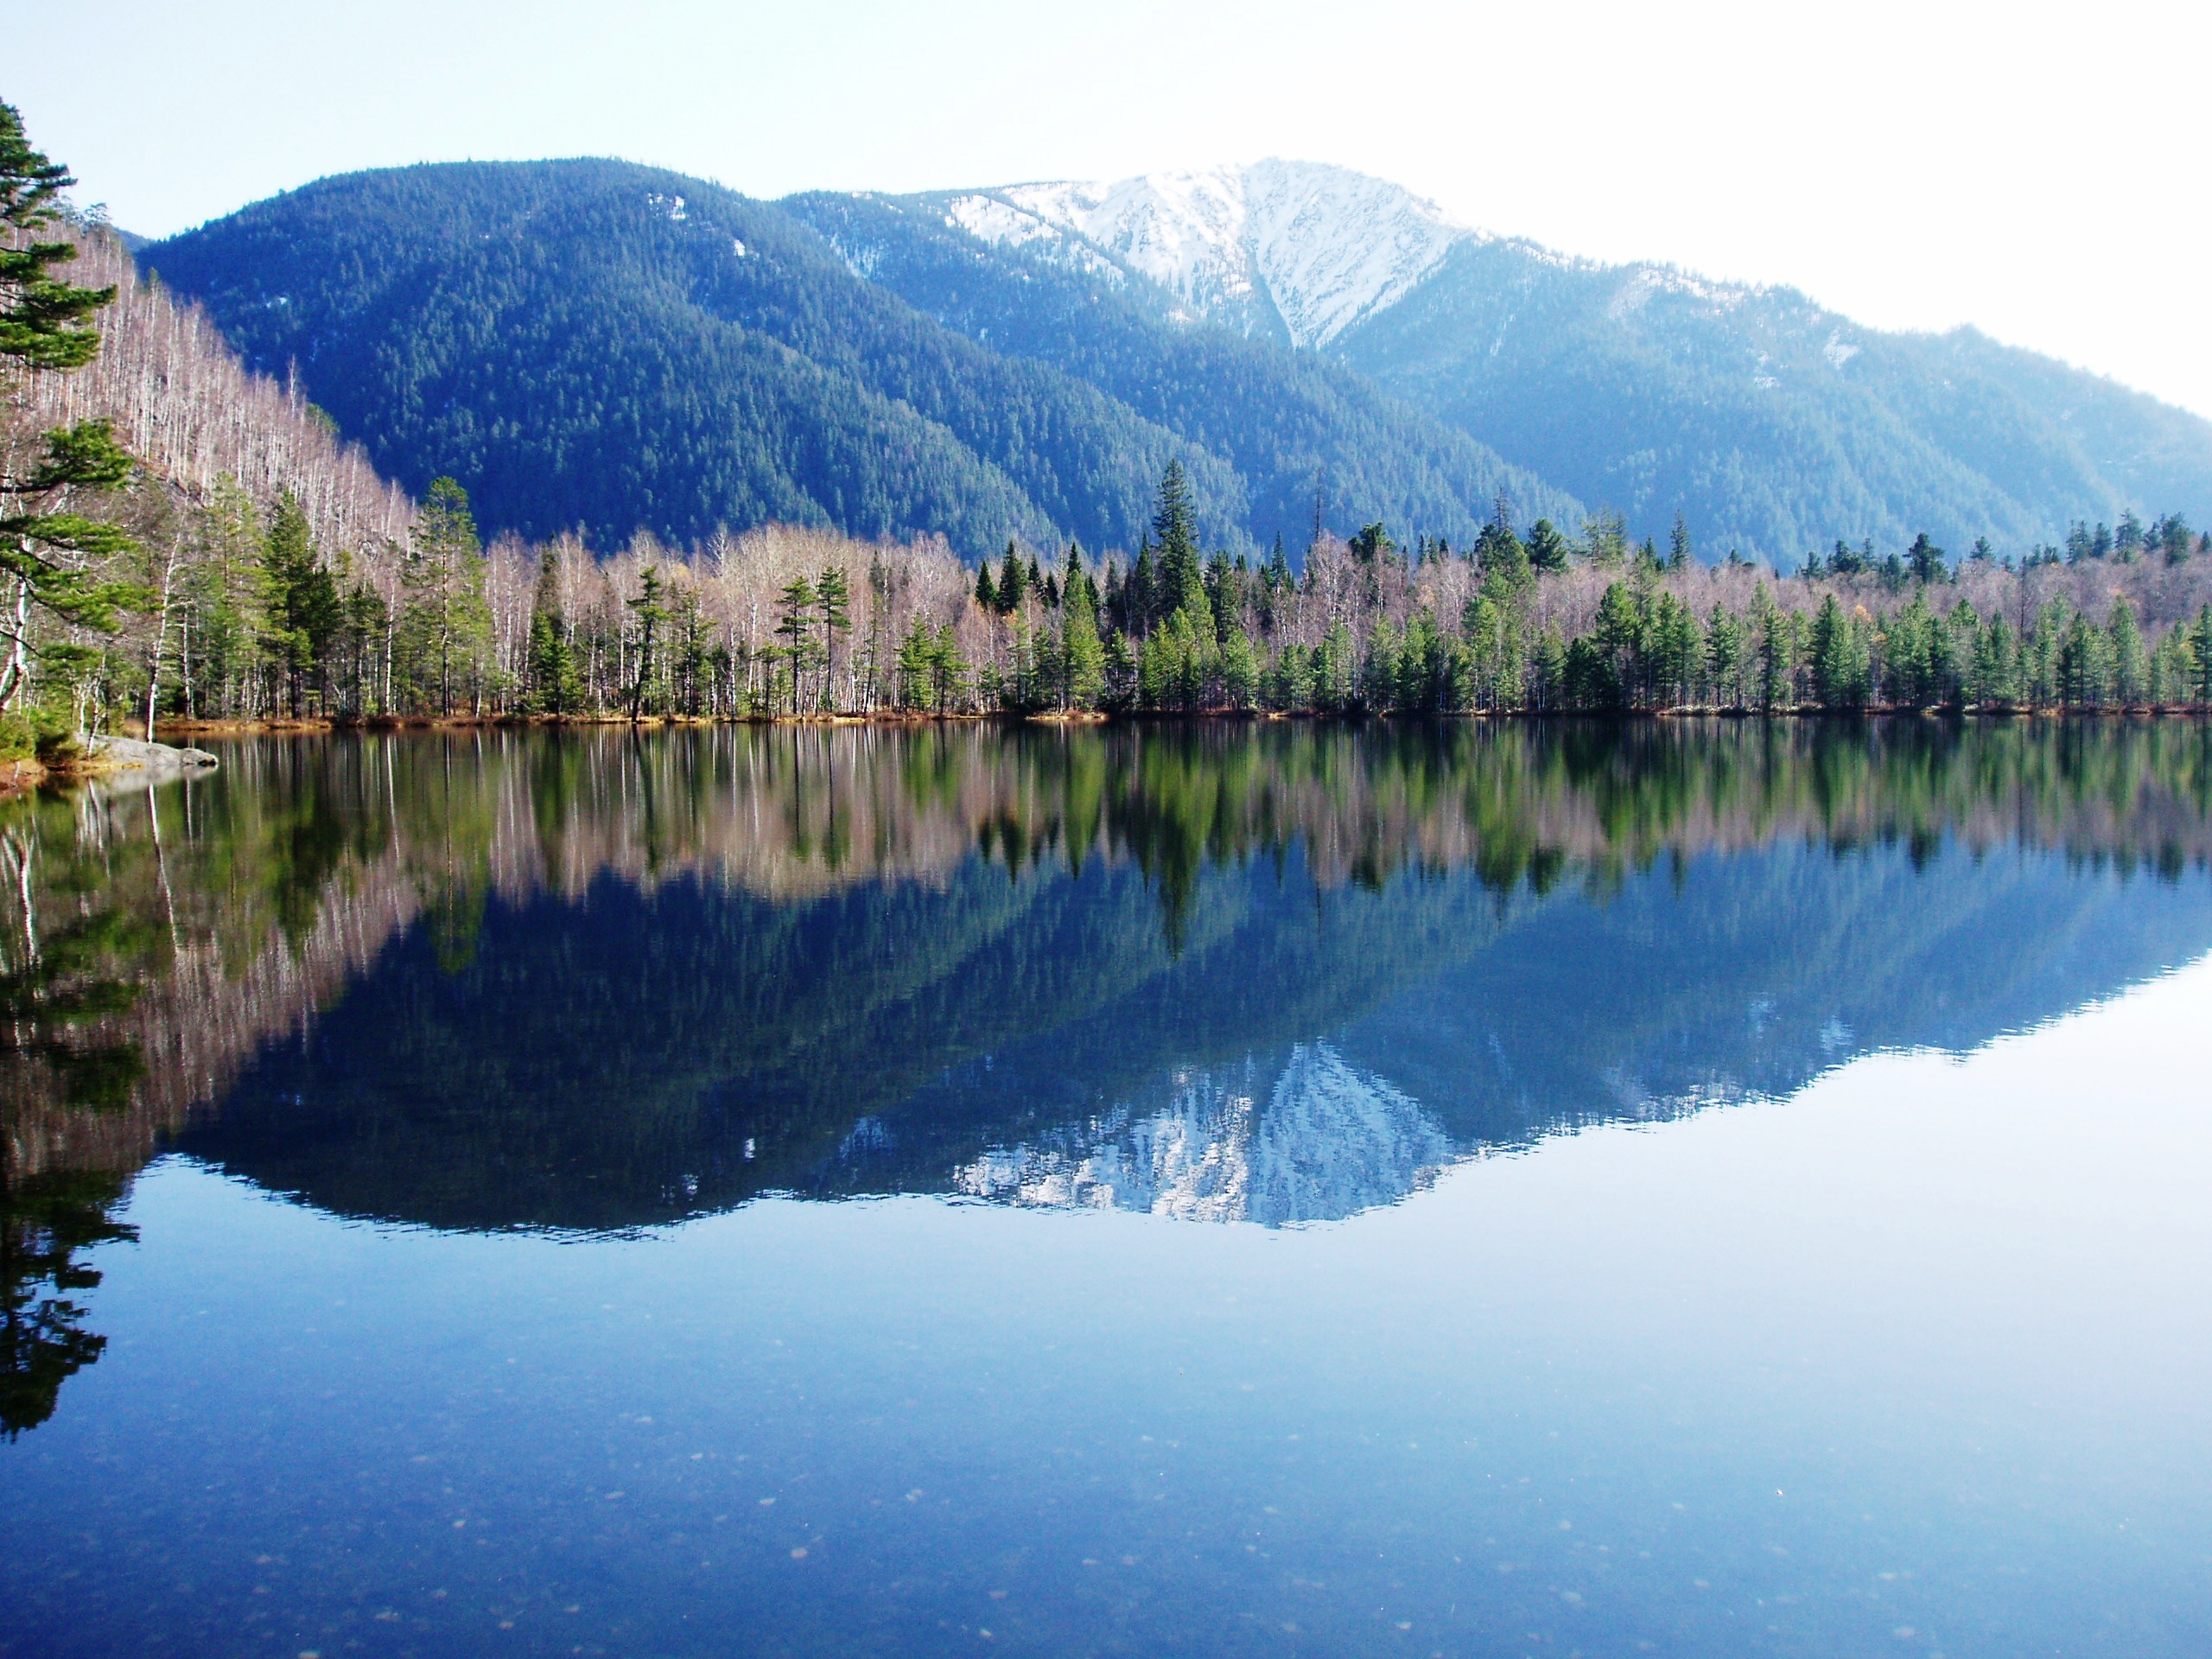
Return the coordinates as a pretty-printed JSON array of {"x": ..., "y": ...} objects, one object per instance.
[
  {"x": 1322, "y": 1141},
  {"x": 1276, "y": 973},
  {"x": 498, "y": 980}
]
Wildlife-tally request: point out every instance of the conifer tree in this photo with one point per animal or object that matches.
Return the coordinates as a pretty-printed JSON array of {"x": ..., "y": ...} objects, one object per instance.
[
  {"x": 796, "y": 625},
  {"x": 1679, "y": 551},
  {"x": 652, "y": 615},
  {"x": 304, "y": 610},
  {"x": 1548, "y": 549},
  {"x": 552, "y": 684},
  {"x": 47, "y": 549},
  {"x": 833, "y": 601},
  {"x": 2124, "y": 653},
  {"x": 447, "y": 627},
  {"x": 986, "y": 594},
  {"x": 1181, "y": 578}
]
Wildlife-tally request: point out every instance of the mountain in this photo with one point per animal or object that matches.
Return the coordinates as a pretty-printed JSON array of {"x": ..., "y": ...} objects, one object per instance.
[
  {"x": 597, "y": 344},
  {"x": 1772, "y": 423}
]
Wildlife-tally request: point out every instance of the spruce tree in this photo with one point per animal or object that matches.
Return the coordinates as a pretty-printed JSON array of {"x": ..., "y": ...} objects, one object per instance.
[
  {"x": 1182, "y": 585},
  {"x": 305, "y": 612},
  {"x": 1679, "y": 551},
  {"x": 552, "y": 686}
]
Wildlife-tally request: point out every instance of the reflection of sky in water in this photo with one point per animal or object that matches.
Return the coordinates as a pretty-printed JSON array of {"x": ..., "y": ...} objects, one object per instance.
[{"x": 1910, "y": 1363}]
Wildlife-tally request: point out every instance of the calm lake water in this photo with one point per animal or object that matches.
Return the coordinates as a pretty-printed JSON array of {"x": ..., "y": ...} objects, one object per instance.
[{"x": 1683, "y": 1188}]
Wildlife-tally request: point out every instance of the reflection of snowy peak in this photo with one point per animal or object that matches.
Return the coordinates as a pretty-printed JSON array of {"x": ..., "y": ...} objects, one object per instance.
[
  {"x": 1294, "y": 245},
  {"x": 1329, "y": 1142}
]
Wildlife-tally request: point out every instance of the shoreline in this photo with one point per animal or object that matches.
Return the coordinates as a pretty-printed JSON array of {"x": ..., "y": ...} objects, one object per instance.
[{"x": 167, "y": 730}]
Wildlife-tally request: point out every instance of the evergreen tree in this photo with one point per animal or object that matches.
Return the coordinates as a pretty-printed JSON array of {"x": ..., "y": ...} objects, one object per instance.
[
  {"x": 653, "y": 616},
  {"x": 1083, "y": 656},
  {"x": 1548, "y": 549},
  {"x": 2124, "y": 655},
  {"x": 1925, "y": 560},
  {"x": 833, "y": 603},
  {"x": 549, "y": 672},
  {"x": 304, "y": 611},
  {"x": 986, "y": 594},
  {"x": 446, "y": 628},
  {"x": 1679, "y": 551},
  {"x": 1181, "y": 578},
  {"x": 1012, "y": 583},
  {"x": 1724, "y": 657},
  {"x": 47, "y": 550},
  {"x": 796, "y": 626}
]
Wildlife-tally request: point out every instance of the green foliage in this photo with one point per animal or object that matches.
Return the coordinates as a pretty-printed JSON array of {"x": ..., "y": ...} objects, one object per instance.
[
  {"x": 46, "y": 547},
  {"x": 45, "y": 321},
  {"x": 442, "y": 652}
]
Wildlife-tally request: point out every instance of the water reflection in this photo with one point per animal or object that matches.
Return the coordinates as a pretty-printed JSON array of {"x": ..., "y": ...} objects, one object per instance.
[{"x": 1278, "y": 974}]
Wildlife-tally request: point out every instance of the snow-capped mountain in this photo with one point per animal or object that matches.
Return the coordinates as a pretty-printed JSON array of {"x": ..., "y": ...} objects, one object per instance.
[{"x": 1295, "y": 249}]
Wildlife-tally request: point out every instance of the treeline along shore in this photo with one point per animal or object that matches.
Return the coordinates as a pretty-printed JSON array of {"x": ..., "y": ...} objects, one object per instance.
[{"x": 185, "y": 542}]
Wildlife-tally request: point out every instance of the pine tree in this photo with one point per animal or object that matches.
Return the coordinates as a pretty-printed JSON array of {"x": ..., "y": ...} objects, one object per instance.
[
  {"x": 1679, "y": 551},
  {"x": 833, "y": 601},
  {"x": 797, "y": 626},
  {"x": 986, "y": 594},
  {"x": 1548, "y": 549},
  {"x": 45, "y": 326},
  {"x": 652, "y": 615},
  {"x": 1013, "y": 579},
  {"x": 1925, "y": 560}
]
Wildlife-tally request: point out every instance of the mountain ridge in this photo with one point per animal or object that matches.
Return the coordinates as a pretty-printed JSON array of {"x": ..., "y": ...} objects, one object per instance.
[
  {"x": 602, "y": 345},
  {"x": 1767, "y": 419},
  {"x": 596, "y": 344}
]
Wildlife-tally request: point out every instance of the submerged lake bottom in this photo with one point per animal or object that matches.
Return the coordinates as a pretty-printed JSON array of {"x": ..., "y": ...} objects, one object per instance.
[{"x": 1556, "y": 1191}]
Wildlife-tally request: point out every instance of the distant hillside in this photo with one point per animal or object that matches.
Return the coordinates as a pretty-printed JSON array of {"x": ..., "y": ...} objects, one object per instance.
[
  {"x": 1774, "y": 425},
  {"x": 599, "y": 345}
]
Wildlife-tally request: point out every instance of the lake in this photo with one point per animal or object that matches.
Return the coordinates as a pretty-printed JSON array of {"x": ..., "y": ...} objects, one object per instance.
[{"x": 1681, "y": 1187}]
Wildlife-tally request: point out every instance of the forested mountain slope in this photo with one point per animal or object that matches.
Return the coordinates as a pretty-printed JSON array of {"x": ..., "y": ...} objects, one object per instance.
[
  {"x": 1772, "y": 424},
  {"x": 600, "y": 345},
  {"x": 1292, "y": 423}
]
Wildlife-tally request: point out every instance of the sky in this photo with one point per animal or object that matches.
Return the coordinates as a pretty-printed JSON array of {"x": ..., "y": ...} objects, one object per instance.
[{"x": 2038, "y": 171}]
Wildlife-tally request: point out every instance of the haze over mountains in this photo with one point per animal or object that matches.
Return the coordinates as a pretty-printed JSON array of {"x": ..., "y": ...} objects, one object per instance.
[{"x": 597, "y": 344}]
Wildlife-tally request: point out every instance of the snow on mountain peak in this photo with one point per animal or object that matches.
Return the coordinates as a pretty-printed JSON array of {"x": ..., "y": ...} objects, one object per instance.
[{"x": 1311, "y": 247}]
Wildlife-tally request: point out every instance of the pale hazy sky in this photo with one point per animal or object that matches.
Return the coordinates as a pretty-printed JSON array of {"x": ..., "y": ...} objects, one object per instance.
[{"x": 2039, "y": 171}]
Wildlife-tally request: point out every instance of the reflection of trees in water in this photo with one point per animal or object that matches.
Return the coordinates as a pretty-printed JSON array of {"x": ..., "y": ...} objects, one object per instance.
[
  {"x": 45, "y": 1220},
  {"x": 152, "y": 943}
]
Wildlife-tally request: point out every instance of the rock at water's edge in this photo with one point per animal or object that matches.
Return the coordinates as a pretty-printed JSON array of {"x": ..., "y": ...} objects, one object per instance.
[{"x": 131, "y": 755}]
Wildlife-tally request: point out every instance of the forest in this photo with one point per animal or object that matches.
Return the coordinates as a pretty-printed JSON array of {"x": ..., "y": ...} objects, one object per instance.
[{"x": 188, "y": 541}]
